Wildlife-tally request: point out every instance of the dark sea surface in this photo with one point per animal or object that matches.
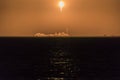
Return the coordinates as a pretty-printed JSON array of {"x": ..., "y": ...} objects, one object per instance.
[{"x": 59, "y": 58}]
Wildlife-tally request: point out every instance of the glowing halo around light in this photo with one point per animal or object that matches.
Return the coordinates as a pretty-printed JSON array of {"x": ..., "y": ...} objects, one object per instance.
[{"x": 61, "y": 5}]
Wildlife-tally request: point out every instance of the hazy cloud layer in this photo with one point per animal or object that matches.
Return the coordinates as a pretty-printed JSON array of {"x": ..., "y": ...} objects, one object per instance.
[{"x": 82, "y": 17}]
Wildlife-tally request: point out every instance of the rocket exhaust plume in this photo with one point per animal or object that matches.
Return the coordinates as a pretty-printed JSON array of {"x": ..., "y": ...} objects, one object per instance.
[{"x": 61, "y": 5}]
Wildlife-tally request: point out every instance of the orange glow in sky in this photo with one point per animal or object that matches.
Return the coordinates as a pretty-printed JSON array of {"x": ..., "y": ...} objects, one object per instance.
[{"x": 81, "y": 17}]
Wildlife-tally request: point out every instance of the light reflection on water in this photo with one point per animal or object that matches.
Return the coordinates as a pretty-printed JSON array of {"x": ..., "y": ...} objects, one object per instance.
[
  {"x": 54, "y": 78},
  {"x": 62, "y": 67}
]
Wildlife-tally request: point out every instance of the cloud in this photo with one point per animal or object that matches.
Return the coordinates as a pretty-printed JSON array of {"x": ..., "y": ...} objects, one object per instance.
[{"x": 59, "y": 34}]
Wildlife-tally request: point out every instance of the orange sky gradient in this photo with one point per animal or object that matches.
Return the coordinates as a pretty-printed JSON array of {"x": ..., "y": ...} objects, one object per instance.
[{"x": 82, "y": 17}]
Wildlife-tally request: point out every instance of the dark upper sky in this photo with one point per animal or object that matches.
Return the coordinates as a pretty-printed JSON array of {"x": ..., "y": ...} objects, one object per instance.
[{"x": 82, "y": 17}]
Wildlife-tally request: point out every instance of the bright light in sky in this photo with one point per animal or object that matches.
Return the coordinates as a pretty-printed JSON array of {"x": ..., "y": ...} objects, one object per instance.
[{"x": 61, "y": 5}]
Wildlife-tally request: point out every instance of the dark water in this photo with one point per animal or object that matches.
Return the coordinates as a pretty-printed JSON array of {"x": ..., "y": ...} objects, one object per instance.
[{"x": 59, "y": 58}]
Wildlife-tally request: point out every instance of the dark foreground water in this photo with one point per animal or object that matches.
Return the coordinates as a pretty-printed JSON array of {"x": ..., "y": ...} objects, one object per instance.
[{"x": 71, "y": 58}]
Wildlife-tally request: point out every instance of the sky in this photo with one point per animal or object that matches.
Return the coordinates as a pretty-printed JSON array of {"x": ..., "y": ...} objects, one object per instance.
[{"x": 81, "y": 17}]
